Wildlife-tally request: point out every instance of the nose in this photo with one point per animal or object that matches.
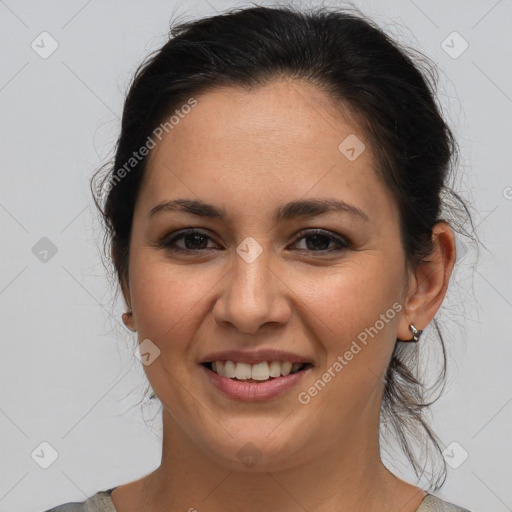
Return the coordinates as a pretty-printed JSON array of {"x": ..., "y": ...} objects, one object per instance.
[{"x": 253, "y": 294}]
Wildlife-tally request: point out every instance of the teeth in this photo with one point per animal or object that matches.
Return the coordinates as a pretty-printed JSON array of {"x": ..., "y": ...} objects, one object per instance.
[
  {"x": 229, "y": 369},
  {"x": 259, "y": 371},
  {"x": 275, "y": 369},
  {"x": 286, "y": 368},
  {"x": 243, "y": 371}
]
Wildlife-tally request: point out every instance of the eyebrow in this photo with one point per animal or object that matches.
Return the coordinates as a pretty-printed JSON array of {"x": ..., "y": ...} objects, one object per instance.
[{"x": 291, "y": 210}]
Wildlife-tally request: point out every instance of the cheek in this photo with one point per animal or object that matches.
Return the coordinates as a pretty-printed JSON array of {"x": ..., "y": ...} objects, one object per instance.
[
  {"x": 169, "y": 304},
  {"x": 167, "y": 298},
  {"x": 356, "y": 324},
  {"x": 352, "y": 298}
]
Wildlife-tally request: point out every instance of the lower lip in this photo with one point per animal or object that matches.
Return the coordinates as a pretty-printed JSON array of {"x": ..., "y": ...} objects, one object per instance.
[{"x": 253, "y": 391}]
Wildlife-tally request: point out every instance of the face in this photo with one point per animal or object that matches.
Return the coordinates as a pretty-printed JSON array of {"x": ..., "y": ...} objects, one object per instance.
[{"x": 326, "y": 287}]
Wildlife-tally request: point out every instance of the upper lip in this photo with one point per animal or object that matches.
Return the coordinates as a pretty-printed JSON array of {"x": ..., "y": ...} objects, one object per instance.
[{"x": 254, "y": 356}]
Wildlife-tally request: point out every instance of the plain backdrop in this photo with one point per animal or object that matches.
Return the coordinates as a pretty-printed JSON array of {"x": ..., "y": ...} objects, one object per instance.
[{"x": 72, "y": 416}]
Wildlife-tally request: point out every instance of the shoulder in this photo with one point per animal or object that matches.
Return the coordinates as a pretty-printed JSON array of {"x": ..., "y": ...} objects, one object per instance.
[
  {"x": 432, "y": 503},
  {"x": 99, "y": 502}
]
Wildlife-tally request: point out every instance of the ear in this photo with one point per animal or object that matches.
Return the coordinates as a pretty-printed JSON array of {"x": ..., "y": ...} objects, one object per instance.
[
  {"x": 428, "y": 282},
  {"x": 128, "y": 320}
]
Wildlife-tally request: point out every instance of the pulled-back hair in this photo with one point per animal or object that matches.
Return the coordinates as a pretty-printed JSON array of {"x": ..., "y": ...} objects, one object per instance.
[{"x": 389, "y": 90}]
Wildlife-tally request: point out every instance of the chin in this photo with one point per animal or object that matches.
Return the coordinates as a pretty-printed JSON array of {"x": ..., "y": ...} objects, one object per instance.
[{"x": 258, "y": 449}]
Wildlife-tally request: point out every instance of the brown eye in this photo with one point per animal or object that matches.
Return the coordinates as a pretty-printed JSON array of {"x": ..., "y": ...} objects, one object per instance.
[
  {"x": 193, "y": 240},
  {"x": 317, "y": 240},
  {"x": 321, "y": 239}
]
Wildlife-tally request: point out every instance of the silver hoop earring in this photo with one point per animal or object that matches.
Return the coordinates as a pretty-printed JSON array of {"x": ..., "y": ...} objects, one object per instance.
[{"x": 416, "y": 334}]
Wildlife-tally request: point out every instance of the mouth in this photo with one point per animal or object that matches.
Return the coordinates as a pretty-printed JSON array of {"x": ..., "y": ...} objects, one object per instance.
[
  {"x": 264, "y": 371},
  {"x": 264, "y": 380}
]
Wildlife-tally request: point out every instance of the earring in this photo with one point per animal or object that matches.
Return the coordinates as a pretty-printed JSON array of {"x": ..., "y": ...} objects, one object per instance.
[
  {"x": 125, "y": 317},
  {"x": 416, "y": 333}
]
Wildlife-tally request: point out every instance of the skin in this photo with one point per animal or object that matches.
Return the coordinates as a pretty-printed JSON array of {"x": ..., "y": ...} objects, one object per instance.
[{"x": 251, "y": 152}]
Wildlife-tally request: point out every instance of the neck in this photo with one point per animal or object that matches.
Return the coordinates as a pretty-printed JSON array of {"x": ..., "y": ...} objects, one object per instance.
[{"x": 347, "y": 476}]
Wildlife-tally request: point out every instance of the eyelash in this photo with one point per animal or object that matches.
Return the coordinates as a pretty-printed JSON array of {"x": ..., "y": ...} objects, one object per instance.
[{"x": 169, "y": 244}]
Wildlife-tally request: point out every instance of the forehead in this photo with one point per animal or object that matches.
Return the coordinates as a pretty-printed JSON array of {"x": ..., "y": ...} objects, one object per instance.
[
  {"x": 286, "y": 110},
  {"x": 282, "y": 139}
]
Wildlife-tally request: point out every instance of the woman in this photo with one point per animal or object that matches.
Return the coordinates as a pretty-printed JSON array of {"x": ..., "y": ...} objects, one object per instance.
[{"x": 275, "y": 219}]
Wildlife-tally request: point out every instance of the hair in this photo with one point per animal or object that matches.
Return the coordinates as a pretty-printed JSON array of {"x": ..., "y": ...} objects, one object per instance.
[{"x": 358, "y": 67}]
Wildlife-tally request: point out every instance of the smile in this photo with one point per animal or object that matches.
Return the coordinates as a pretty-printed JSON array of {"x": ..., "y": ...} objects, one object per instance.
[
  {"x": 260, "y": 381},
  {"x": 255, "y": 372}
]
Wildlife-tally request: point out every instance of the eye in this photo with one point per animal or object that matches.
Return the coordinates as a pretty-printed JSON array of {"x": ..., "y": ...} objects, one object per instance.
[
  {"x": 192, "y": 238},
  {"x": 321, "y": 240},
  {"x": 196, "y": 241}
]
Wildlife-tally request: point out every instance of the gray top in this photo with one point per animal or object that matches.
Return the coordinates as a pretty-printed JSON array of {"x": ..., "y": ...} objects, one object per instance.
[{"x": 101, "y": 502}]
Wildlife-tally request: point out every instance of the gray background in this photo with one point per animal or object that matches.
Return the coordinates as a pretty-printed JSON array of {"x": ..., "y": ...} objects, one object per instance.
[{"x": 68, "y": 374}]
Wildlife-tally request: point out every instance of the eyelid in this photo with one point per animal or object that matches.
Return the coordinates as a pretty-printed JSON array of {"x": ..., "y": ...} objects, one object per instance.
[
  {"x": 343, "y": 243},
  {"x": 324, "y": 232},
  {"x": 166, "y": 240}
]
